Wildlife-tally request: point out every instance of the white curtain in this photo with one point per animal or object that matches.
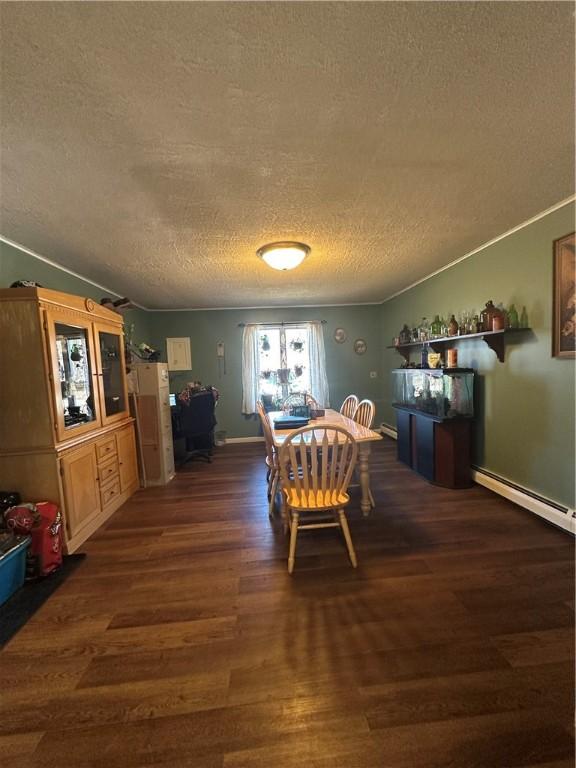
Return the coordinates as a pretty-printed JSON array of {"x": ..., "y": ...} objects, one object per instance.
[
  {"x": 250, "y": 369},
  {"x": 318, "y": 378}
]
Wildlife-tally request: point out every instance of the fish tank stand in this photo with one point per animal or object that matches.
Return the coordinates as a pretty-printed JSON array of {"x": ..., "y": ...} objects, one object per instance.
[
  {"x": 438, "y": 449},
  {"x": 434, "y": 417}
]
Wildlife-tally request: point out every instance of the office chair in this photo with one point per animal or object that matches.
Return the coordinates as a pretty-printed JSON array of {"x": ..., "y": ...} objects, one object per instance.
[{"x": 197, "y": 422}]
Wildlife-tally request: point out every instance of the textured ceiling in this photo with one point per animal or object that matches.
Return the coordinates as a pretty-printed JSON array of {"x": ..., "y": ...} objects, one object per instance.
[{"x": 153, "y": 147}]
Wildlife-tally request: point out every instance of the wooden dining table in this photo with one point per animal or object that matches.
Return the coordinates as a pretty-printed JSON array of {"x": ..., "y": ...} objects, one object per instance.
[{"x": 363, "y": 436}]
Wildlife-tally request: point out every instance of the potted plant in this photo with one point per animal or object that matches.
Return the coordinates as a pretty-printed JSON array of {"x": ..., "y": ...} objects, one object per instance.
[
  {"x": 266, "y": 374},
  {"x": 265, "y": 342},
  {"x": 283, "y": 375},
  {"x": 297, "y": 345},
  {"x": 75, "y": 354},
  {"x": 298, "y": 370}
]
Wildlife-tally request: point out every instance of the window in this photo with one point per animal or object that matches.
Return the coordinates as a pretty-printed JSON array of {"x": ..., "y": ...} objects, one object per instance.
[
  {"x": 284, "y": 363},
  {"x": 278, "y": 360}
]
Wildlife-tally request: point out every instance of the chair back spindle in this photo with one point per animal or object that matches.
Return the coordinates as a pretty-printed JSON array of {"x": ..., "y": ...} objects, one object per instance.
[
  {"x": 364, "y": 413},
  {"x": 316, "y": 465},
  {"x": 349, "y": 406}
]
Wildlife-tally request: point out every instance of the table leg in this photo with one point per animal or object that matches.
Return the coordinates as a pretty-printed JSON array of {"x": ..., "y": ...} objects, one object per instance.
[{"x": 364, "y": 458}]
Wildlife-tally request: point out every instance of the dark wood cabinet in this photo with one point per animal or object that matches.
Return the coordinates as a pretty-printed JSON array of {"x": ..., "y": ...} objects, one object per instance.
[{"x": 439, "y": 450}]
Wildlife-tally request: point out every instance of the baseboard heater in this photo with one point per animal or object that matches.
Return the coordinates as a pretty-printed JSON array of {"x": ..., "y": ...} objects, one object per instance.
[{"x": 555, "y": 513}]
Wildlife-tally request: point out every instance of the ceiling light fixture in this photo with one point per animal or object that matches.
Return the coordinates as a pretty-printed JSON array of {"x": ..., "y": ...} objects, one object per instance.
[{"x": 285, "y": 255}]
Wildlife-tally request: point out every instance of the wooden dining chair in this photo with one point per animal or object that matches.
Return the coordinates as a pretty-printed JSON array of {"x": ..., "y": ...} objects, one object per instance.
[
  {"x": 348, "y": 407},
  {"x": 272, "y": 475},
  {"x": 316, "y": 465},
  {"x": 364, "y": 413},
  {"x": 299, "y": 398}
]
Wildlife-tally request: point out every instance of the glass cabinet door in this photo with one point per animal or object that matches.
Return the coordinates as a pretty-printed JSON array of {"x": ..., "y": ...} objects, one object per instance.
[
  {"x": 112, "y": 376},
  {"x": 73, "y": 374}
]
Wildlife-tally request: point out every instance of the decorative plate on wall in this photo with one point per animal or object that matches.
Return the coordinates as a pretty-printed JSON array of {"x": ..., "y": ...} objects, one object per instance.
[
  {"x": 340, "y": 335},
  {"x": 360, "y": 346}
]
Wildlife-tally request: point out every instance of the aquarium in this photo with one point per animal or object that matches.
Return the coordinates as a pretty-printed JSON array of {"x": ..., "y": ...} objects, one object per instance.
[{"x": 442, "y": 394}]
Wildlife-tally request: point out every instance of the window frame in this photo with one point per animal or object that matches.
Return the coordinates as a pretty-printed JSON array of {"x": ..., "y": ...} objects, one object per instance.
[{"x": 283, "y": 388}]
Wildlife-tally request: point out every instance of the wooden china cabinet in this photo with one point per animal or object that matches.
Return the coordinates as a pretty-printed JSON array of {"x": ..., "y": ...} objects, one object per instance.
[{"x": 66, "y": 434}]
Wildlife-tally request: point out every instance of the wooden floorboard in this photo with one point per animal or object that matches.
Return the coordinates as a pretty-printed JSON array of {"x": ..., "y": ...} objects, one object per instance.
[{"x": 182, "y": 641}]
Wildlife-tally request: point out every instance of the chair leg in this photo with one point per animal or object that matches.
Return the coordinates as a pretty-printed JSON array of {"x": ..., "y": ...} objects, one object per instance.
[
  {"x": 347, "y": 537},
  {"x": 272, "y": 495},
  {"x": 372, "y": 502},
  {"x": 270, "y": 478},
  {"x": 293, "y": 534}
]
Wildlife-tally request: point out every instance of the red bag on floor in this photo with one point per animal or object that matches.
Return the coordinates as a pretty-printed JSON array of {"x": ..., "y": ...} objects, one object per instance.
[{"x": 43, "y": 521}]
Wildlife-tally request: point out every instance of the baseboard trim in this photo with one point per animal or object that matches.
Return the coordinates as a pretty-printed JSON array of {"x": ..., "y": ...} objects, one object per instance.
[
  {"x": 562, "y": 517},
  {"x": 386, "y": 429},
  {"x": 244, "y": 439}
]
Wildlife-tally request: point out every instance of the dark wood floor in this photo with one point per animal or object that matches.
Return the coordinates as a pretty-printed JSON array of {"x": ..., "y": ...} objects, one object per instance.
[{"x": 182, "y": 641}]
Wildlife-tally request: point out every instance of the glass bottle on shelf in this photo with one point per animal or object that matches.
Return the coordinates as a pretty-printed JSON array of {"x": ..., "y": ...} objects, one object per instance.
[
  {"x": 513, "y": 317},
  {"x": 436, "y": 328},
  {"x": 424, "y": 330},
  {"x": 405, "y": 335},
  {"x": 486, "y": 316},
  {"x": 424, "y": 356},
  {"x": 504, "y": 312},
  {"x": 523, "y": 318},
  {"x": 498, "y": 320},
  {"x": 453, "y": 326}
]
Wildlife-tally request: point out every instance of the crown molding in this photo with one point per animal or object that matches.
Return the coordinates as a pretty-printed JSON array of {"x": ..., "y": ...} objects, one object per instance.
[
  {"x": 71, "y": 272},
  {"x": 537, "y": 217}
]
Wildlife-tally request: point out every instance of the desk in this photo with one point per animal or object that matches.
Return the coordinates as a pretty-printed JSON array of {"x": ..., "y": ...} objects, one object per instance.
[{"x": 362, "y": 435}]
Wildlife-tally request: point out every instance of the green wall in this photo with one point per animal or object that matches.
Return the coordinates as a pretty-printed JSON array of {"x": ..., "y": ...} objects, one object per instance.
[
  {"x": 19, "y": 265},
  {"x": 525, "y": 426},
  {"x": 347, "y": 372}
]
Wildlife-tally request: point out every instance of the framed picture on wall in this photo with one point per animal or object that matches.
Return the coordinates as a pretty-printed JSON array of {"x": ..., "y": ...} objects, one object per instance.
[{"x": 564, "y": 301}]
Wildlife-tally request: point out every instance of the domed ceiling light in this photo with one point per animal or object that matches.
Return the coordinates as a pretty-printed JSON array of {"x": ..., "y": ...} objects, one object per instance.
[{"x": 285, "y": 255}]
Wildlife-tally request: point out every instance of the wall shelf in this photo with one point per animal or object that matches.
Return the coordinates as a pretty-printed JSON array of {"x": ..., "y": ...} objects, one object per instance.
[{"x": 494, "y": 339}]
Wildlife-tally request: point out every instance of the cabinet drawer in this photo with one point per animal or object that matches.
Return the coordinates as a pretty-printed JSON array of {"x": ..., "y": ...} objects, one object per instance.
[
  {"x": 110, "y": 492},
  {"x": 106, "y": 448},
  {"x": 107, "y": 471}
]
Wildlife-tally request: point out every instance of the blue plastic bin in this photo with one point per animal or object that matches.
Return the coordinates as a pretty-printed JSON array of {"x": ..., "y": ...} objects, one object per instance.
[{"x": 12, "y": 565}]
